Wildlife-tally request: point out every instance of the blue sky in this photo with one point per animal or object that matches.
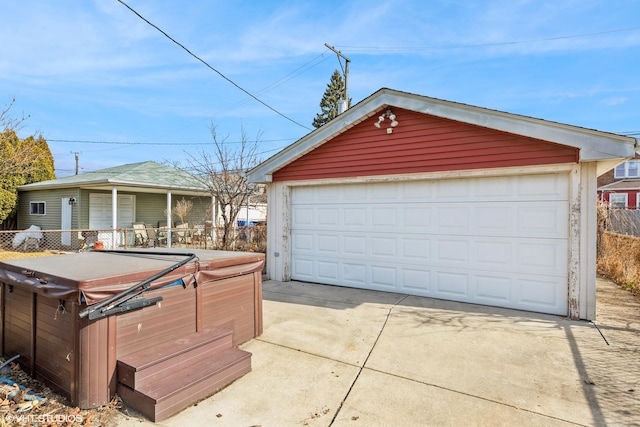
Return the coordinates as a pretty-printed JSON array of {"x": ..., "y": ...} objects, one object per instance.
[{"x": 97, "y": 80}]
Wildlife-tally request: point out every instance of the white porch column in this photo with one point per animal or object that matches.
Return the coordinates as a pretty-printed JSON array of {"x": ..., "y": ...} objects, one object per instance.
[
  {"x": 169, "y": 223},
  {"x": 214, "y": 223},
  {"x": 114, "y": 216}
]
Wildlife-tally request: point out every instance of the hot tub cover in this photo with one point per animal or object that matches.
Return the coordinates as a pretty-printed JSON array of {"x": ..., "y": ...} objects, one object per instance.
[{"x": 91, "y": 277}]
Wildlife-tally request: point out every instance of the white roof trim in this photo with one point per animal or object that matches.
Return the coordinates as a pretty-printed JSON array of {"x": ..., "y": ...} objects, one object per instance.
[{"x": 593, "y": 145}]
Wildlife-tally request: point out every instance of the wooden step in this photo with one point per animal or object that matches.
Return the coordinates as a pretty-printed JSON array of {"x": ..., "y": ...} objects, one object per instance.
[
  {"x": 170, "y": 393},
  {"x": 137, "y": 369}
]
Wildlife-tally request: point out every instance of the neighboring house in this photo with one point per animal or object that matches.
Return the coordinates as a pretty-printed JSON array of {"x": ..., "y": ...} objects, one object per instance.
[
  {"x": 416, "y": 195},
  {"x": 110, "y": 199},
  {"x": 620, "y": 186},
  {"x": 255, "y": 211}
]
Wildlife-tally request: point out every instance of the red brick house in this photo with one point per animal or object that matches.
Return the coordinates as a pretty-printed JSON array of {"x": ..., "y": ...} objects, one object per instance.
[{"x": 620, "y": 186}]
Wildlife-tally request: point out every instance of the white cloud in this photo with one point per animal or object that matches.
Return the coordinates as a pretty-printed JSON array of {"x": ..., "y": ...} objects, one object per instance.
[{"x": 615, "y": 100}]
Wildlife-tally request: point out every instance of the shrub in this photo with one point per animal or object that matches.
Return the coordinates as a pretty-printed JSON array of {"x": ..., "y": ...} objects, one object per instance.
[{"x": 619, "y": 259}]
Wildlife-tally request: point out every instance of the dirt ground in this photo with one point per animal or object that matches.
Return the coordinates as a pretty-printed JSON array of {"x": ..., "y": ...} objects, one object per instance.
[
  {"x": 616, "y": 306},
  {"x": 36, "y": 405}
]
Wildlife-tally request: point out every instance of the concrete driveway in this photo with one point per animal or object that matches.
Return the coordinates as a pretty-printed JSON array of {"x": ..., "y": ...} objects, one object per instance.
[{"x": 332, "y": 356}]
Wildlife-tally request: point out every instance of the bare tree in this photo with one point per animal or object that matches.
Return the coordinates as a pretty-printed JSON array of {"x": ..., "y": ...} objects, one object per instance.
[
  {"x": 183, "y": 209},
  {"x": 223, "y": 172}
]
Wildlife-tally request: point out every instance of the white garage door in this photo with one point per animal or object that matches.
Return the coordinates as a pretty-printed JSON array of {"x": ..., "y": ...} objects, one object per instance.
[{"x": 500, "y": 241}]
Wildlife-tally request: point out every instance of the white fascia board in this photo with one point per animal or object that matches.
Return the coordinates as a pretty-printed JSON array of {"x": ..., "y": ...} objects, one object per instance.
[{"x": 593, "y": 144}]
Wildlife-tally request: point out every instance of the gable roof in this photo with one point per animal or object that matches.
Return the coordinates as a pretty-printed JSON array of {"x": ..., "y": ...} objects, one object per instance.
[
  {"x": 144, "y": 176},
  {"x": 594, "y": 145},
  {"x": 625, "y": 184}
]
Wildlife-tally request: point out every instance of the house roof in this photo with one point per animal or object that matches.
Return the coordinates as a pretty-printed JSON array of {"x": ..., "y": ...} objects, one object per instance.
[
  {"x": 605, "y": 148},
  {"x": 625, "y": 184},
  {"x": 144, "y": 176}
]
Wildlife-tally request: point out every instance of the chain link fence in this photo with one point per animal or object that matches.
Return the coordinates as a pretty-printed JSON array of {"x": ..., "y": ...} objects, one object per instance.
[{"x": 251, "y": 238}]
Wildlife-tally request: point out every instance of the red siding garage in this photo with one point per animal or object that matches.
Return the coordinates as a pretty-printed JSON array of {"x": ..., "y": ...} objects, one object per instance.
[{"x": 453, "y": 202}]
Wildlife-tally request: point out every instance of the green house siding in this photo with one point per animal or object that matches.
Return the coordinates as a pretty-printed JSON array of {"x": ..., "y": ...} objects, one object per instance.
[
  {"x": 150, "y": 208},
  {"x": 144, "y": 184},
  {"x": 83, "y": 212},
  {"x": 52, "y": 219}
]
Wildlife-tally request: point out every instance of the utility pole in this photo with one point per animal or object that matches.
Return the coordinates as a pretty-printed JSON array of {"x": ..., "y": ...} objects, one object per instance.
[
  {"x": 77, "y": 160},
  {"x": 345, "y": 72}
]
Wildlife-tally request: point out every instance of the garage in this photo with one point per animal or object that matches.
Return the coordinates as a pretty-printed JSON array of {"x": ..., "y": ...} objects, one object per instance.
[
  {"x": 410, "y": 194},
  {"x": 499, "y": 241}
]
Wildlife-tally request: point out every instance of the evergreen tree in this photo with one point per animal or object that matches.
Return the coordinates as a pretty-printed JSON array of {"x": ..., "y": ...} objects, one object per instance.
[
  {"x": 22, "y": 161},
  {"x": 330, "y": 103}
]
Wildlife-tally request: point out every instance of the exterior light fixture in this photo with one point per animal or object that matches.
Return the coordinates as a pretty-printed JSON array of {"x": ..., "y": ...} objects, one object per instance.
[{"x": 387, "y": 115}]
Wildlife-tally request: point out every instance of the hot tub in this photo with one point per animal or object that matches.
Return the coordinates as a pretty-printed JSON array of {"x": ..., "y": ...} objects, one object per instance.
[{"x": 72, "y": 318}]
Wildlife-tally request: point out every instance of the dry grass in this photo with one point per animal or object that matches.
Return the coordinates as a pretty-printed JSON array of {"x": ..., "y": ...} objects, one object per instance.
[
  {"x": 7, "y": 255},
  {"x": 619, "y": 259}
]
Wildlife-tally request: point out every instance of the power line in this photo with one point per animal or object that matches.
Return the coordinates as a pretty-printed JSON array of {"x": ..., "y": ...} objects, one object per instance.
[
  {"x": 463, "y": 46},
  {"x": 80, "y": 141},
  {"x": 307, "y": 66},
  {"x": 210, "y": 67},
  {"x": 97, "y": 170}
]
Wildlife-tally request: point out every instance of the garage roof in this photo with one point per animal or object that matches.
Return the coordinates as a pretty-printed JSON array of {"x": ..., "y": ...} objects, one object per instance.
[{"x": 594, "y": 145}]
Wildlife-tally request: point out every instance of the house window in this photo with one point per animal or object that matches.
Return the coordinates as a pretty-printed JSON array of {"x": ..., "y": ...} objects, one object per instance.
[
  {"x": 37, "y": 208},
  {"x": 630, "y": 169},
  {"x": 617, "y": 200}
]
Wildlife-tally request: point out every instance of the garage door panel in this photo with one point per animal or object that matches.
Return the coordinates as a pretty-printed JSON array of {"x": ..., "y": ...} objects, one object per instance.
[
  {"x": 457, "y": 189},
  {"x": 451, "y": 219},
  {"x": 494, "y": 253},
  {"x": 415, "y": 191},
  {"x": 543, "y": 220},
  {"x": 383, "y": 247},
  {"x": 354, "y": 274},
  {"x": 328, "y": 244},
  {"x": 384, "y": 191},
  {"x": 328, "y": 217},
  {"x": 495, "y": 219},
  {"x": 452, "y": 285},
  {"x": 415, "y": 281},
  {"x": 499, "y": 241},
  {"x": 304, "y": 269},
  {"x": 493, "y": 289},
  {"x": 384, "y": 277},
  {"x": 354, "y": 217},
  {"x": 451, "y": 252},
  {"x": 328, "y": 270},
  {"x": 415, "y": 249},
  {"x": 302, "y": 215},
  {"x": 303, "y": 242},
  {"x": 354, "y": 246},
  {"x": 542, "y": 257},
  {"x": 415, "y": 216},
  {"x": 384, "y": 217},
  {"x": 542, "y": 187},
  {"x": 539, "y": 294},
  {"x": 494, "y": 188}
]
